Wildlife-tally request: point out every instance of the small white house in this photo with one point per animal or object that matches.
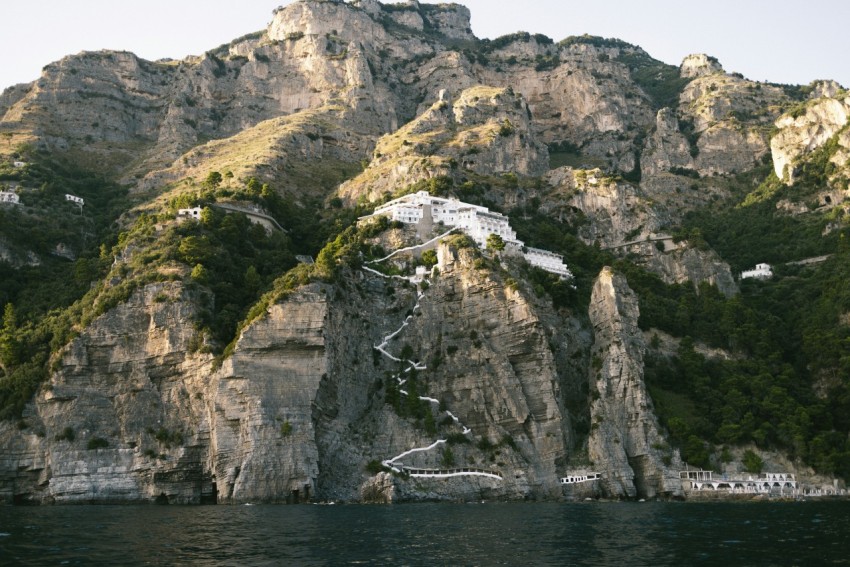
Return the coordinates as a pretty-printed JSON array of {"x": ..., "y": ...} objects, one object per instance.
[
  {"x": 761, "y": 272},
  {"x": 186, "y": 214},
  {"x": 19, "y": 164},
  {"x": 10, "y": 198},
  {"x": 73, "y": 199}
]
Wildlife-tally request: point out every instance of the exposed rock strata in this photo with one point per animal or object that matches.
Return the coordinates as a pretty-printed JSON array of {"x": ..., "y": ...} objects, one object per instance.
[
  {"x": 486, "y": 131},
  {"x": 298, "y": 410},
  {"x": 625, "y": 439}
]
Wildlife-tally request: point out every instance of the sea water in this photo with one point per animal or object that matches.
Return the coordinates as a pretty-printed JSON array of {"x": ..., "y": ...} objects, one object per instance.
[{"x": 621, "y": 534}]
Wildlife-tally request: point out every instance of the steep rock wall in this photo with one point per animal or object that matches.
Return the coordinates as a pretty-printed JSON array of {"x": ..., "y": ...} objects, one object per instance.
[
  {"x": 800, "y": 135},
  {"x": 625, "y": 439}
]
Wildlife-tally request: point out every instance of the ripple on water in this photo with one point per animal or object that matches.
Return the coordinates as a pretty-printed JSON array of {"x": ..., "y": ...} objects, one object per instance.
[{"x": 429, "y": 534}]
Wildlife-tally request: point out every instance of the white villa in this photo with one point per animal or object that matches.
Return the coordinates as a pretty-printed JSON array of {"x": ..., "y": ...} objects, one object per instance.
[
  {"x": 74, "y": 199},
  {"x": 478, "y": 222},
  {"x": 10, "y": 197},
  {"x": 761, "y": 271},
  {"x": 186, "y": 214}
]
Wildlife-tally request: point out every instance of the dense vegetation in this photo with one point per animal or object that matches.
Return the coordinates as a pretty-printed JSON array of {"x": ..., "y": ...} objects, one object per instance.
[
  {"x": 787, "y": 384},
  {"x": 45, "y": 222}
]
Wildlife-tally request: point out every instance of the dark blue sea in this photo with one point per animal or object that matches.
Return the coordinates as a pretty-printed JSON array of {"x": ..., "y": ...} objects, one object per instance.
[{"x": 621, "y": 534}]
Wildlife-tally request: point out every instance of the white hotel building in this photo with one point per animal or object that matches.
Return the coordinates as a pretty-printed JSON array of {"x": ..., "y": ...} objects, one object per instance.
[{"x": 476, "y": 221}]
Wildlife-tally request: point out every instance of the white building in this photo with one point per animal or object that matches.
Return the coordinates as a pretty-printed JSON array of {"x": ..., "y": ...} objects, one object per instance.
[
  {"x": 19, "y": 163},
  {"x": 78, "y": 200},
  {"x": 548, "y": 261},
  {"x": 10, "y": 197},
  {"x": 761, "y": 271},
  {"x": 186, "y": 214},
  {"x": 478, "y": 222}
]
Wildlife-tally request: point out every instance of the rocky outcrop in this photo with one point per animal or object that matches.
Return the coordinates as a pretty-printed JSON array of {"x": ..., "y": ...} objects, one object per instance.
[
  {"x": 687, "y": 264},
  {"x": 625, "y": 440},
  {"x": 667, "y": 147},
  {"x": 728, "y": 115},
  {"x": 583, "y": 99},
  {"x": 116, "y": 421},
  {"x": 133, "y": 413},
  {"x": 486, "y": 131},
  {"x": 262, "y": 435},
  {"x": 699, "y": 65},
  {"x": 625, "y": 219},
  {"x": 802, "y": 132},
  {"x": 15, "y": 257},
  {"x": 618, "y": 212}
]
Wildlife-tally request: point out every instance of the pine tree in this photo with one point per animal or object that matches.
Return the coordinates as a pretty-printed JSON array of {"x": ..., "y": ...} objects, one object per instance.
[{"x": 8, "y": 339}]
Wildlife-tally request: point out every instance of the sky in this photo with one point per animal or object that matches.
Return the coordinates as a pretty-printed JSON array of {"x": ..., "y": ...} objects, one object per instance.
[{"x": 781, "y": 41}]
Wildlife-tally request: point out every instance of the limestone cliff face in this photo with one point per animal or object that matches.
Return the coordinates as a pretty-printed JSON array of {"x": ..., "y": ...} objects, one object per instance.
[
  {"x": 131, "y": 413},
  {"x": 730, "y": 116},
  {"x": 262, "y": 437},
  {"x": 120, "y": 382},
  {"x": 683, "y": 263},
  {"x": 801, "y": 134},
  {"x": 123, "y": 114},
  {"x": 667, "y": 147},
  {"x": 618, "y": 211},
  {"x": 486, "y": 131},
  {"x": 625, "y": 439},
  {"x": 16, "y": 257},
  {"x": 588, "y": 99},
  {"x": 493, "y": 358},
  {"x": 699, "y": 65}
]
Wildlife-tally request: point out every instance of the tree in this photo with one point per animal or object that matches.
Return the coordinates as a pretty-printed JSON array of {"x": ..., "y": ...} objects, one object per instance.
[
  {"x": 752, "y": 462},
  {"x": 495, "y": 243},
  {"x": 8, "y": 341},
  {"x": 254, "y": 186},
  {"x": 447, "y": 459},
  {"x": 213, "y": 180},
  {"x": 200, "y": 274},
  {"x": 252, "y": 281},
  {"x": 429, "y": 258}
]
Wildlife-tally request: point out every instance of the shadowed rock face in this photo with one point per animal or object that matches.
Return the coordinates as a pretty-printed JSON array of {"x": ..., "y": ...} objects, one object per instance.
[{"x": 625, "y": 439}]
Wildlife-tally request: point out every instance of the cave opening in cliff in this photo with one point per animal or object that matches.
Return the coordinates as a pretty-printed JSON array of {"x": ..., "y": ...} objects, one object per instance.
[{"x": 210, "y": 497}]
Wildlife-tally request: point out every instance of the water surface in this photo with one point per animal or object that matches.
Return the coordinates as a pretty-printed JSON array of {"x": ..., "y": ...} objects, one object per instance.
[{"x": 651, "y": 533}]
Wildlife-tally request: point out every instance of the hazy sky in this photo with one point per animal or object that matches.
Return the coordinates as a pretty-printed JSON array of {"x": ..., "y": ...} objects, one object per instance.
[{"x": 777, "y": 40}]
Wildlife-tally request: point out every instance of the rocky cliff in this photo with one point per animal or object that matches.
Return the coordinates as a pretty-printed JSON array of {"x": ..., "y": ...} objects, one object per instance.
[
  {"x": 348, "y": 378},
  {"x": 300, "y": 407},
  {"x": 807, "y": 129},
  {"x": 625, "y": 439}
]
